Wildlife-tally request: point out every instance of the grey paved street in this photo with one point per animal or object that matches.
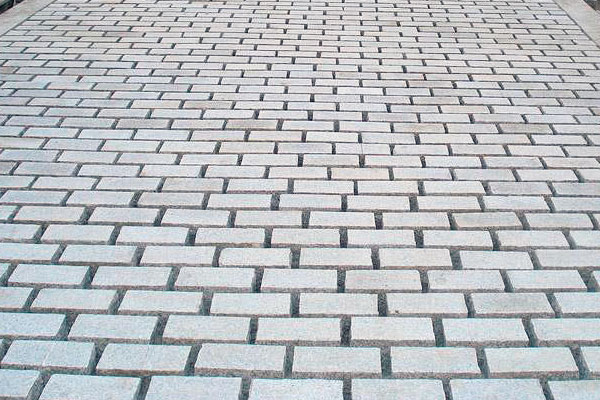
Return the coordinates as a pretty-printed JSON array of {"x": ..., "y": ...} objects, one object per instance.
[{"x": 299, "y": 199}]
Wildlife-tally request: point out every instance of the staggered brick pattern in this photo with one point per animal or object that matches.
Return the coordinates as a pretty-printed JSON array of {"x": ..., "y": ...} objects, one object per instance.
[{"x": 247, "y": 199}]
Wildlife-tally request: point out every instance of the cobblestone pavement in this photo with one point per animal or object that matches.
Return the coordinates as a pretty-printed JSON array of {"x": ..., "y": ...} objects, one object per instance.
[{"x": 242, "y": 199}]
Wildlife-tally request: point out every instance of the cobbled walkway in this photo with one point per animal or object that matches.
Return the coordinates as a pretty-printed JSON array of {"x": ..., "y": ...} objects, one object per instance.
[{"x": 299, "y": 199}]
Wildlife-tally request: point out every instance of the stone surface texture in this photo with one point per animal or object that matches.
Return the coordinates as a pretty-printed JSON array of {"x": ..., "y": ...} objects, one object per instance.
[{"x": 299, "y": 199}]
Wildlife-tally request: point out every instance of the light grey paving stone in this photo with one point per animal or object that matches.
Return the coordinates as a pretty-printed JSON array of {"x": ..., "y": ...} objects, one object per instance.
[
  {"x": 14, "y": 298},
  {"x": 50, "y": 355},
  {"x": 496, "y": 389},
  {"x": 299, "y": 280},
  {"x": 49, "y": 214},
  {"x": 289, "y": 389},
  {"x": 392, "y": 389},
  {"x": 251, "y": 304},
  {"x": 377, "y": 331},
  {"x": 377, "y": 202},
  {"x": 350, "y": 219},
  {"x": 566, "y": 331},
  {"x": 531, "y": 239},
  {"x": 336, "y": 362},
  {"x": 114, "y": 277},
  {"x": 19, "y": 384},
  {"x": 248, "y": 218},
  {"x": 18, "y": 232},
  {"x": 380, "y": 238},
  {"x": 113, "y": 328},
  {"x": 39, "y": 275},
  {"x": 239, "y": 201},
  {"x": 98, "y": 254},
  {"x": 30, "y": 325},
  {"x": 27, "y": 252},
  {"x": 194, "y": 329},
  {"x": 241, "y": 360},
  {"x": 581, "y": 389},
  {"x": 415, "y": 259},
  {"x": 335, "y": 258},
  {"x": 178, "y": 256},
  {"x": 283, "y": 237},
  {"x": 529, "y": 362},
  {"x": 578, "y": 304},
  {"x": 567, "y": 259},
  {"x": 255, "y": 257},
  {"x": 337, "y": 304},
  {"x": 511, "y": 305},
  {"x": 203, "y": 218},
  {"x": 243, "y": 237},
  {"x": 585, "y": 239},
  {"x": 143, "y": 359},
  {"x": 484, "y": 332},
  {"x": 591, "y": 355},
  {"x": 378, "y": 281},
  {"x": 121, "y": 216},
  {"x": 495, "y": 260},
  {"x": 168, "y": 199},
  {"x": 83, "y": 387},
  {"x": 486, "y": 220},
  {"x": 156, "y": 235},
  {"x": 77, "y": 234},
  {"x": 465, "y": 281},
  {"x": 416, "y": 220},
  {"x": 426, "y": 304},
  {"x": 160, "y": 302},
  {"x": 100, "y": 198},
  {"x": 220, "y": 279},
  {"x": 193, "y": 388},
  {"x": 74, "y": 300},
  {"x": 546, "y": 281},
  {"x": 457, "y": 239},
  {"x": 558, "y": 221},
  {"x": 434, "y": 362},
  {"x": 299, "y": 331}
]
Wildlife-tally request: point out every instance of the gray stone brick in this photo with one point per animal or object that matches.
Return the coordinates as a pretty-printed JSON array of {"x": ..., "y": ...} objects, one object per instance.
[
  {"x": 160, "y": 302},
  {"x": 299, "y": 331},
  {"x": 434, "y": 362},
  {"x": 90, "y": 387},
  {"x": 142, "y": 359},
  {"x": 113, "y": 328},
  {"x": 527, "y": 362},
  {"x": 19, "y": 384},
  {"x": 497, "y": 389},
  {"x": 288, "y": 389},
  {"x": 30, "y": 325},
  {"x": 50, "y": 355},
  {"x": 581, "y": 389},
  {"x": 427, "y": 304},
  {"x": 389, "y": 389},
  {"x": 193, "y": 388},
  {"x": 49, "y": 275},
  {"x": 336, "y": 362},
  {"x": 240, "y": 359},
  {"x": 205, "y": 329}
]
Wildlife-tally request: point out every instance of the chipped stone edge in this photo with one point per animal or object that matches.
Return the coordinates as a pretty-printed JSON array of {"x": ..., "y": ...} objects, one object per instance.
[
  {"x": 20, "y": 12},
  {"x": 585, "y": 16}
]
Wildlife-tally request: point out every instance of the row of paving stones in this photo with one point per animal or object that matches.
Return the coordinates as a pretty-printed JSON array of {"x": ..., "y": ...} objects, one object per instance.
[{"x": 23, "y": 384}]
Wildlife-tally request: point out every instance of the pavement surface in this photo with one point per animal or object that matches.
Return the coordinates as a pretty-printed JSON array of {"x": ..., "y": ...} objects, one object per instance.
[{"x": 346, "y": 200}]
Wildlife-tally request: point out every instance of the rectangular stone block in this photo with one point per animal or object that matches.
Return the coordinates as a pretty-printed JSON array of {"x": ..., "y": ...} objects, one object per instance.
[
  {"x": 336, "y": 362},
  {"x": 240, "y": 360},
  {"x": 142, "y": 359},
  {"x": 434, "y": 362}
]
